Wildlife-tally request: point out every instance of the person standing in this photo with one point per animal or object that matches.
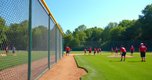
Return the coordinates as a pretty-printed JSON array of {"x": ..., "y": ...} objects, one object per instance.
[
  {"x": 95, "y": 51},
  {"x": 98, "y": 50},
  {"x": 132, "y": 50},
  {"x": 90, "y": 50},
  {"x": 142, "y": 50},
  {"x": 116, "y": 51},
  {"x": 123, "y": 53},
  {"x": 13, "y": 50},
  {"x": 67, "y": 50},
  {"x": 7, "y": 49}
]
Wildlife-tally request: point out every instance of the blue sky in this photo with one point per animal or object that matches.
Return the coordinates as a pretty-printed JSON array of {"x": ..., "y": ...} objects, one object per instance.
[{"x": 72, "y": 13}]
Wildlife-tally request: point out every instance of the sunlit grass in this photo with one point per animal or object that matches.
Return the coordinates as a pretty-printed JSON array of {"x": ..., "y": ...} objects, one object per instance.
[{"x": 102, "y": 67}]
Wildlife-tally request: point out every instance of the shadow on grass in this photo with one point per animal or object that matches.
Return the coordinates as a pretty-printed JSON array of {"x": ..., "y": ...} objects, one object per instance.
[
  {"x": 125, "y": 61},
  {"x": 134, "y": 61}
]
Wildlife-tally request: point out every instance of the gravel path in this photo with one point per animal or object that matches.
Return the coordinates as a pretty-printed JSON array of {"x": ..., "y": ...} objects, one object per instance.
[{"x": 65, "y": 69}]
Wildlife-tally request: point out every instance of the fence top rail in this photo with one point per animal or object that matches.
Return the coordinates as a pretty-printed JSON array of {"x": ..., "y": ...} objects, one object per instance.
[{"x": 51, "y": 15}]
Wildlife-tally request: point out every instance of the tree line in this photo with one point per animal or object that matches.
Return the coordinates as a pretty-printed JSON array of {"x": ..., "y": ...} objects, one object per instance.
[
  {"x": 126, "y": 32},
  {"x": 16, "y": 34}
]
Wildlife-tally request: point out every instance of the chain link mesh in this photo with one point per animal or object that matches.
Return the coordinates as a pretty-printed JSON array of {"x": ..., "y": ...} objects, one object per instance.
[
  {"x": 39, "y": 39},
  {"x": 14, "y": 38}
]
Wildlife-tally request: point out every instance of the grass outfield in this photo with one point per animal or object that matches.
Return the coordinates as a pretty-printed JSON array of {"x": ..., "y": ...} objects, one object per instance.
[
  {"x": 101, "y": 67},
  {"x": 21, "y": 57}
]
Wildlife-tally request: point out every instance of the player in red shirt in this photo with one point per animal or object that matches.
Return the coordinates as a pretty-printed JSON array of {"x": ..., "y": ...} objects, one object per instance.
[
  {"x": 67, "y": 50},
  {"x": 95, "y": 51},
  {"x": 90, "y": 50},
  {"x": 142, "y": 50},
  {"x": 132, "y": 50},
  {"x": 98, "y": 50},
  {"x": 123, "y": 52},
  {"x": 116, "y": 50}
]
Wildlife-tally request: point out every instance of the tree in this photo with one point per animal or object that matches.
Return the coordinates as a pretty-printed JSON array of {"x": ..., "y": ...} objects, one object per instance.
[
  {"x": 106, "y": 32},
  {"x": 126, "y": 23},
  {"x": 132, "y": 32},
  {"x": 68, "y": 32},
  {"x": 3, "y": 30},
  {"x": 88, "y": 33},
  {"x": 116, "y": 33},
  {"x": 40, "y": 38},
  {"x": 80, "y": 28},
  {"x": 146, "y": 20},
  {"x": 17, "y": 35}
]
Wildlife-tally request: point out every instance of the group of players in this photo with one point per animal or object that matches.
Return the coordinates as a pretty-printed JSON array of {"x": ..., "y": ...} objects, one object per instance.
[
  {"x": 96, "y": 50},
  {"x": 7, "y": 49},
  {"x": 142, "y": 50}
]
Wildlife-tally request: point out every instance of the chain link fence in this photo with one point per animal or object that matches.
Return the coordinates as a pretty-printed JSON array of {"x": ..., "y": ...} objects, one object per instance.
[
  {"x": 17, "y": 61},
  {"x": 13, "y": 39}
]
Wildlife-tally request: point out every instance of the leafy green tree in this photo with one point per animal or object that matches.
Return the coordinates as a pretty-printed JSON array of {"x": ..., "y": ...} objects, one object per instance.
[
  {"x": 116, "y": 33},
  {"x": 146, "y": 20},
  {"x": 80, "y": 28},
  {"x": 126, "y": 23},
  {"x": 3, "y": 29},
  {"x": 106, "y": 32},
  {"x": 88, "y": 34},
  {"x": 40, "y": 38},
  {"x": 96, "y": 33},
  {"x": 68, "y": 32},
  {"x": 133, "y": 31},
  {"x": 75, "y": 43},
  {"x": 17, "y": 35}
]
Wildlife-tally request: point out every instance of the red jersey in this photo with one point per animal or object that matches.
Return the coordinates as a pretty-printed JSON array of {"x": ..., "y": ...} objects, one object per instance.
[
  {"x": 95, "y": 49},
  {"x": 123, "y": 49},
  {"x": 98, "y": 50},
  {"x": 132, "y": 49},
  {"x": 116, "y": 49},
  {"x": 142, "y": 48},
  {"x": 89, "y": 49},
  {"x": 67, "y": 49}
]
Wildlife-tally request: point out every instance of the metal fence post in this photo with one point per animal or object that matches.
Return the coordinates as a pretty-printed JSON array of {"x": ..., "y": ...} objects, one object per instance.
[
  {"x": 30, "y": 39},
  {"x": 56, "y": 43},
  {"x": 59, "y": 46},
  {"x": 62, "y": 46},
  {"x": 49, "y": 43}
]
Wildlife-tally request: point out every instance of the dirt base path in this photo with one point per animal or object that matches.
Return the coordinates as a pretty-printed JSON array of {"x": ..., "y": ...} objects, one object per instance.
[
  {"x": 65, "y": 69},
  {"x": 20, "y": 72}
]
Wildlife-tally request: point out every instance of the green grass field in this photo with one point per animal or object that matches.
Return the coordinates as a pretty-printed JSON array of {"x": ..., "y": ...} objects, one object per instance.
[
  {"x": 20, "y": 58},
  {"x": 101, "y": 67}
]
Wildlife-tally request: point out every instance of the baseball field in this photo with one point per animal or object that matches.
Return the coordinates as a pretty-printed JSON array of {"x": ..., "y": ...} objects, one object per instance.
[
  {"x": 21, "y": 57},
  {"x": 105, "y": 67}
]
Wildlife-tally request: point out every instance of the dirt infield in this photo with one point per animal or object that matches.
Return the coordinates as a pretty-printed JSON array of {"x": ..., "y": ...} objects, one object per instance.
[{"x": 65, "y": 69}]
